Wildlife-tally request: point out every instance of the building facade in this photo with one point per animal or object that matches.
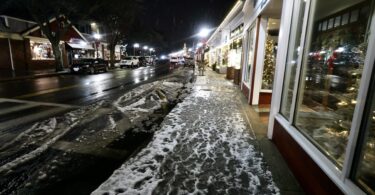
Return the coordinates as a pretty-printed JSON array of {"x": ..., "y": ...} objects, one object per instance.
[
  {"x": 312, "y": 62},
  {"x": 225, "y": 45},
  {"x": 322, "y": 111}
]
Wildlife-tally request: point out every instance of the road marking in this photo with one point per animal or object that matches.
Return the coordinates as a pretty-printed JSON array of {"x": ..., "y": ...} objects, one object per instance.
[
  {"x": 29, "y": 118},
  {"x": 37, "y": 103},
  {"x": 47, "y": 91},
  {"x": 17, "y": 108}
]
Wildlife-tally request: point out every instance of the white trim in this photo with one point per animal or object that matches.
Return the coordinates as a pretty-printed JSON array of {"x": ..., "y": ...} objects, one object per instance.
[
  {"x": 19, "y": 19},
  {"x": 80, "y": 34},
  {"x": 36, "y": 28},
  {"x": 265, "y": 91},
  {"x": 13, "y": 36},
  {"x": 285, "y": 24},
  {"x": 233, "y": 11},
  {"x": 11, "y": 54},
  {"x": 259, "y": 59},
  {"x": 361, "y": 100},
  {"x": 307, "y": 31}
]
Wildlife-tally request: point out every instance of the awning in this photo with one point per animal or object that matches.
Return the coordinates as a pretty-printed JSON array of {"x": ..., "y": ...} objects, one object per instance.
[{"x": 80, "y": 46}]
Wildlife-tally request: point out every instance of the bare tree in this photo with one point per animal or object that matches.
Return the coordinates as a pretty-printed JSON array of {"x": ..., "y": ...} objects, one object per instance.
[
  {"x": 43, "y": 12},
  {"x": 117, "y": 17}
]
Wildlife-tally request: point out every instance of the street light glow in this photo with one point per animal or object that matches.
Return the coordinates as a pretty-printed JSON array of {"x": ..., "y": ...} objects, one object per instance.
[
  {"x": 204, "y": 32},
  {"x": 200, "y": 44},
  {"x": 136, "y": 45},
  {"x": 145, "y": 47},
  {"x": 97, "y": 36}
]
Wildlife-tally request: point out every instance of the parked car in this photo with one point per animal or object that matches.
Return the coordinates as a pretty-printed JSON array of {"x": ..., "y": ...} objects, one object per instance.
[
  {"x": 177, "y": 60},
  {"x": 130, "y": 61},
  {"x": 90, "y": 66},
  {"x": 142, "y": 61}
]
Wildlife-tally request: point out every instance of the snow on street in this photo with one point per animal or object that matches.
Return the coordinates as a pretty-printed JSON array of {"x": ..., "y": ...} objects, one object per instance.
[{"x": 204, "y": 146}]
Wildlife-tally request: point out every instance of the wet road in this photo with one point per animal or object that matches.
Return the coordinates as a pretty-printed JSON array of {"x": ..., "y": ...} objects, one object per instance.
[
  {"x": 43, "y": 151},
  {"x": 79, "y": 89}
]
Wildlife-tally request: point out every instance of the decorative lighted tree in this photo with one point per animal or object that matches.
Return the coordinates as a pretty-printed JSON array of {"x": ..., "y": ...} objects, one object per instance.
[{"x": 269, "y": 65}]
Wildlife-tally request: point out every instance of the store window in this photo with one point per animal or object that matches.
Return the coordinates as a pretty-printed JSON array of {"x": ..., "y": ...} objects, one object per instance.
[
  {"x": 235, "y": 53},
  {"x": 41, "y": 51},
  {"x": 269, "y": 64},
  {"x": 251, "y": 50},
  {"x": 332, "y": 66},
  {"x": 293, "y": 56},
  {"x": 363, "y": 170}
]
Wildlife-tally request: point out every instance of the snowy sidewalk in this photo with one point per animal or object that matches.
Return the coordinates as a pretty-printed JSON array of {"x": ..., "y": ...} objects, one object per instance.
[{"x": 204, "y": 146}]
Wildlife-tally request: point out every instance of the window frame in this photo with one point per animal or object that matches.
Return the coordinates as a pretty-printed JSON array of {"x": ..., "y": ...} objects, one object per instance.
[{"x": 341, "y": 178}]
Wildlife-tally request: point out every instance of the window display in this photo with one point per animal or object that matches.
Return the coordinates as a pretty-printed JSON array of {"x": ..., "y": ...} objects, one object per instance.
[
  {"x": 270, "y": 52},
  {"x": 41, "y": 51},
  {"x": 292, "y": 57},
  {"x": 363, "y": 170},
  {"x": 235, "y": 53},
  {"x": 331, "y": 73},
  {"x": 250, "y": 59}
]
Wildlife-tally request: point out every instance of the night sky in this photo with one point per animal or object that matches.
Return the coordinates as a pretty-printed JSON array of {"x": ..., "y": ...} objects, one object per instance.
[
  {"x": 179, "y": 20},
  {"x": 173, "y": 21}
]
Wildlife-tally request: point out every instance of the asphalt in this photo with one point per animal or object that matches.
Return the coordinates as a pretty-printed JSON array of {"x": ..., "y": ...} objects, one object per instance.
[{"x": 211, "y": 143}]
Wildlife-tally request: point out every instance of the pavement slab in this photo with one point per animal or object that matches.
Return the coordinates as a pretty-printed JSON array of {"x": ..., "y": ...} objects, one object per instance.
[{"x": 204, "y": 146}]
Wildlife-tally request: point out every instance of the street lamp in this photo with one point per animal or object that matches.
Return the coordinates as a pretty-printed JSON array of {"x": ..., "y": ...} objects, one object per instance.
[
  {"x": 204, "y": 32},
  {"x": 97, "y": 37},
  {"x": 136, "y": 45},
  {"x": 145, "y": 48}
]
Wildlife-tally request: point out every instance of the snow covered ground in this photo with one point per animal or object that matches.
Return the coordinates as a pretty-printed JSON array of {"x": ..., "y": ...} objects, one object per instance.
[
  {"x": 204, "y": 146},
  {"x": 88, "y": 129}
]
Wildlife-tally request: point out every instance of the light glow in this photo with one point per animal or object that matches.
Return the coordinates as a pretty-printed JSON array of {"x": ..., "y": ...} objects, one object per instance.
[
  {"x": 204, "y": 32},
  {"x": 97, "y": 36}
]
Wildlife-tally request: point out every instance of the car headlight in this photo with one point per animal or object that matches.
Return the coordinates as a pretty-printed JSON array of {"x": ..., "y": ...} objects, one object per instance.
[{"x": 87, "y": 66}]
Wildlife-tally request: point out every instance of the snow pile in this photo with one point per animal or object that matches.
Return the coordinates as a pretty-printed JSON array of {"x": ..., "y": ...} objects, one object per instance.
[
  {"x": 149, "y": 98},
  {"x": 40, "y": 136},
  {"x": 203, "y": 147}
]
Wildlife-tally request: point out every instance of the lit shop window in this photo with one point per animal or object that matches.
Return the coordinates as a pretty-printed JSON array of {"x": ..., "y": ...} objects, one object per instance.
[
  {"x": 250, "y": 57},
  {"x": 41, "y": 51},
  {"x": 292, "y": 57},
  {"x": 332, "y": 66},
  {"x": 271, "y": 45},
  {"x": 363, "y": 170}
]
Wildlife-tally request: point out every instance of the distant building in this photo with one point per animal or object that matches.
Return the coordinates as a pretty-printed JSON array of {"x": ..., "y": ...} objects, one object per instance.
[{"x": 24, "y": 47}]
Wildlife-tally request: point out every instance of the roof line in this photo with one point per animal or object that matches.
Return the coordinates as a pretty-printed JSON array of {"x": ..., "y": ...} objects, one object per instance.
[{"x": 233, "y": 11}]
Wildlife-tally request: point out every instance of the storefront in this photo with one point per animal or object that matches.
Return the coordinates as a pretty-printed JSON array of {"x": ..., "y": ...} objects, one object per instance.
[
  {"x": 262, "y": 24},
  {"x": 226, "y": 42},
  {"x": 323, "y": 105}
]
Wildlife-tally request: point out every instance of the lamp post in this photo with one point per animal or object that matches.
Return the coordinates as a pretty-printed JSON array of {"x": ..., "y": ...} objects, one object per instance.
[
  {"x": 145, "y": 48},
  {"x": 136, "y": 45},
  {"x": 97, "y": 37},
  {"x": 151, "y": 50}
]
